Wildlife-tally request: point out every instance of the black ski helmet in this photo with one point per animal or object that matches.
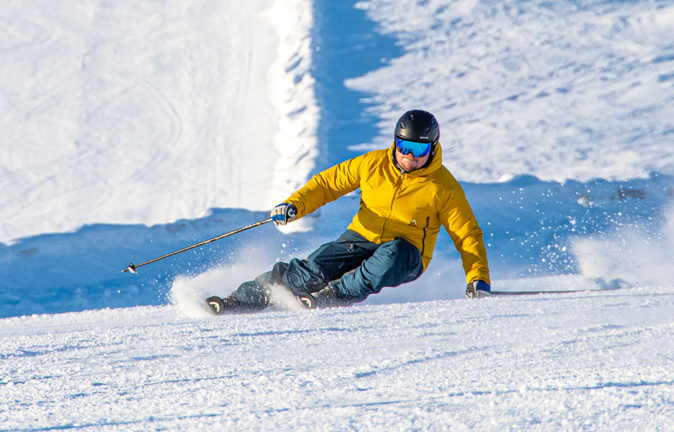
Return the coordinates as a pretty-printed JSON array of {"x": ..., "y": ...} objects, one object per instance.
[{"x": 419, "y": 126}]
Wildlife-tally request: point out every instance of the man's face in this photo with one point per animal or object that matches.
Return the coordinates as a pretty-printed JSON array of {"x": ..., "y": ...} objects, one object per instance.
[{"x": 409, "y": 162}]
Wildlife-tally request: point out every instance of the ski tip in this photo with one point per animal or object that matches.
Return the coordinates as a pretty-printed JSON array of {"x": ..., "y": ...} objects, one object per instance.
[{"x": 214, "y": 305}]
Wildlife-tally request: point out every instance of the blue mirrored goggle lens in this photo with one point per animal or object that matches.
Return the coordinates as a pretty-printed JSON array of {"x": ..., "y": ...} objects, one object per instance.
[{"x": 417, "y": 149}]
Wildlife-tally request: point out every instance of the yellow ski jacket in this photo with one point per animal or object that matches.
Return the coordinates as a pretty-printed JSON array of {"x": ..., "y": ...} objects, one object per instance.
[{"x": 396, "y": 204}]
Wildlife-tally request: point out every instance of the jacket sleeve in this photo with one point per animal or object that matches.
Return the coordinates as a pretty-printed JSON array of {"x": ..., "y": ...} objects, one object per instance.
[
  {"x": 465, "y": 232},
  {"x": 327, "y": 186}
]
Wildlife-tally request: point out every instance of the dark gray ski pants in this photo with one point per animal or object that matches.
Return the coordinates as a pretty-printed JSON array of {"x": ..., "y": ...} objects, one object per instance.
[{"x": 353, "y": 266}]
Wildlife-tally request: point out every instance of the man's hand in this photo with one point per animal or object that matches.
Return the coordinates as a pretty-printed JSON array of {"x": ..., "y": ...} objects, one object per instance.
[
  {"x": 283, "y": 213},
  {"x": 477, "y": 289}
]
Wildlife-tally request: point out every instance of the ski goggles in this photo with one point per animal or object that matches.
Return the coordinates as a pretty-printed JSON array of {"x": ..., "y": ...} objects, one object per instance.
[{"x": 416, "y": 149}]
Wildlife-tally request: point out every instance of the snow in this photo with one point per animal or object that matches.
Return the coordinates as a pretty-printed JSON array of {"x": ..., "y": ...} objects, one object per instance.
[
  {"x": 133, "y": 129},
  {"x": 151, "y": 113},
  {"x": 566, "y": 362},
  {"x": 558, "y": 90}
]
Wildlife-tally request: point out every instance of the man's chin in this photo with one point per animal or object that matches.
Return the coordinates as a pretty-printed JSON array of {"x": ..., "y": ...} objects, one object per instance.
[{"x": 409, "y": 166}]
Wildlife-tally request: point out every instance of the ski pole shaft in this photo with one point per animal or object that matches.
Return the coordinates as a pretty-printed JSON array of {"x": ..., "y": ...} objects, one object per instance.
[{"x": 132, "y": 268}]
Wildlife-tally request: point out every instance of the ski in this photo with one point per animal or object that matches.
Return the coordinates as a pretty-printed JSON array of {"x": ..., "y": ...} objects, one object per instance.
[
  {"x": 598, "y": 284},
  {"x": 542, "y": 292},
  {"x": 226, "y": 306}
]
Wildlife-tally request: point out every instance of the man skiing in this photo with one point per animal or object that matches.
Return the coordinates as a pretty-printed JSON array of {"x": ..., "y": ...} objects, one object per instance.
[{"x": 406, "y": 196}]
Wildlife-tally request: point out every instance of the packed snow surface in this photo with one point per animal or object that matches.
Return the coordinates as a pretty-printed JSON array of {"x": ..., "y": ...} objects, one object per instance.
[
  {"x": 133, "y": 129},
  {"x": 558, "y": 362}
]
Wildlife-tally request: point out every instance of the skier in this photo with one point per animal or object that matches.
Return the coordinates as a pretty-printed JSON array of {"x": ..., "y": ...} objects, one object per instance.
[{"x": 406, "y": 196}]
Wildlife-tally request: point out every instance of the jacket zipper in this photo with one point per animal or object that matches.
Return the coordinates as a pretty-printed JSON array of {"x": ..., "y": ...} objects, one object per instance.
[{"x": 398, "y": 183}]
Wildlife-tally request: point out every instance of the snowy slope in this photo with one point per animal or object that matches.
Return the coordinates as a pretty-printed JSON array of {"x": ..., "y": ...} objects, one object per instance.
[
  {"x": 150, "y": 114},
  {"x": 568, "y": 362},
  {"x": 91, "y": 155},
  {"x": 114, "y": 112},
  {"x": 564, "y": 90},
  {"x": 132, "y": 129}
]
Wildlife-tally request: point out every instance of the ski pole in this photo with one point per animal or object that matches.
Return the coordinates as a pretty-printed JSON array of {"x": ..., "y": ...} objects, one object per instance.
[{"x": 132, "y": 268}]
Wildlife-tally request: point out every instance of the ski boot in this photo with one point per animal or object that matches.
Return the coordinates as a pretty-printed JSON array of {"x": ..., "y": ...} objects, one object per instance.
[{"x": 327, "y": 297}]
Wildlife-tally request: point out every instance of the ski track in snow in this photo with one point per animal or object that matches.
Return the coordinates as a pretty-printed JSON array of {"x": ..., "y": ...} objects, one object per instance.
[
  {"x": 151, "y": 113},
  {"x": 592, "y": 361}
]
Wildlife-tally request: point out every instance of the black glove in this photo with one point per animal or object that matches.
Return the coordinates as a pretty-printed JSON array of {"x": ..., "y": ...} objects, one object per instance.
[
  {"x": 477, "y": 289},
  {"x": 283, "y": 213}
]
